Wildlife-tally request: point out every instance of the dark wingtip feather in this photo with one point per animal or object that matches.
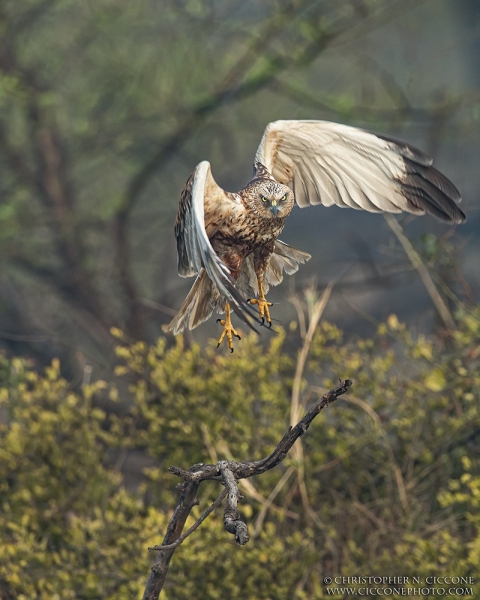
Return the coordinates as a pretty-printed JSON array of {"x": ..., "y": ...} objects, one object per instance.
[
  {"x": 418, "y": 162},
  {"x": 407, "y": 150},
  {"x": 435, "y": 178},
  {"x": 430, "y": 199},
  {"x": 426, "y": 188},
  {"x": 185, "y": 268},
  {"x": 460, "y": 217},
  {"x": 241, "y": 309}
]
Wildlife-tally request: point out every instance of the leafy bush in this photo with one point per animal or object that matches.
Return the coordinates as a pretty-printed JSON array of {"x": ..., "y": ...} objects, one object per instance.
[{"x": 389, "y": 475}]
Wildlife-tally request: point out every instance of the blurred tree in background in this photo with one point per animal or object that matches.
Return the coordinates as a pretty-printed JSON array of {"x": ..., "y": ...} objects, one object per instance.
[{"x": 107, "y": 106}]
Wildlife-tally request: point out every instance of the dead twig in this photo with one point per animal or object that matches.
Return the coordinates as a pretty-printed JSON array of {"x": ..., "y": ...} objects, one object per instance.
[
  {"x": 422, "y": 271},
  {"x": 195, "y": 526},
  {"x": 228, "y": 472},
  {"x": 232, "y": 518},
  {"x": 158, "y": 574}
]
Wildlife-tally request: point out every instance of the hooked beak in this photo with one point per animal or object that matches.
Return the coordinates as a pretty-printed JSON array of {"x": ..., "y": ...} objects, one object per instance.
[{"x": 274, "y": 208}]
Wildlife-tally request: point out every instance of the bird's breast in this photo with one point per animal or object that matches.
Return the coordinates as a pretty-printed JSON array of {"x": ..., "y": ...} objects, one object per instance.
[{"x": 249, "y": 228}]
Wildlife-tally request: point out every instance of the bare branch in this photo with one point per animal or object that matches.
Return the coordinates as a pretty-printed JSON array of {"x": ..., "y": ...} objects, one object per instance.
[
  {"x": 195, "y": 526},
  {"x": 229, "y": 472},
  {"x": 329, "y": 105},
  {"x": 232, "y": 518},
  {"x": 422, "y": 270},
  {"x": 50, "y": 177},
  {"x": 249, "y": 469},
  {"x": 32, "y": 16},
  {"x": 159, "y": 570}
]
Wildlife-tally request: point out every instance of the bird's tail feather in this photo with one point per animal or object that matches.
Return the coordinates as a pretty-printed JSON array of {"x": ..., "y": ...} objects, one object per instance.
[
  {"x": 203, "y": 298},
  {"x": 198, "y": 305}
]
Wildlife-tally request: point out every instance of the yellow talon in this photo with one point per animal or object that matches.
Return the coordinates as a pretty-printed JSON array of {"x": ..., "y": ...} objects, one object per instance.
[
  {"x": 263, "y": 311},
  {"x": 228, "y": 329}
]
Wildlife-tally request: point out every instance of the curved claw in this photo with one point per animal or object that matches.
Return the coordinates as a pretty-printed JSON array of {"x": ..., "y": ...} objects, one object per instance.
[
  {"x": 263, "y": 306},
  {"x": 228, "y": 330}
]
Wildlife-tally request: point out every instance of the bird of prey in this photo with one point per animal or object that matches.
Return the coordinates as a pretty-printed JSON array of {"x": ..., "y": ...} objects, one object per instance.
[{"x": 229, "y": 241}]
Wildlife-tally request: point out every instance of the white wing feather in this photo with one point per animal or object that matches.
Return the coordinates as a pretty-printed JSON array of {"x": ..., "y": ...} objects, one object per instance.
[
  {"x": 194, "y": 248},
  {"x": 329, "y": 163}
]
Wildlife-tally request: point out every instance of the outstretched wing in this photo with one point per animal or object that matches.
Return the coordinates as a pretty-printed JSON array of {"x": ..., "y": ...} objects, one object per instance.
[
  {"x": 193, "y": 246},
  {"x": 329, "y": 163}
]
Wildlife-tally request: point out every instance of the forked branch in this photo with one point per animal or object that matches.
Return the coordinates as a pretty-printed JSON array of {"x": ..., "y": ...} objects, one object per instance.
[{"x": 228, "y": 472}]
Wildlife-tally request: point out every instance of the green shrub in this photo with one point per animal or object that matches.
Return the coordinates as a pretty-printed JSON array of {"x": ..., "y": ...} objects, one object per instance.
[{"x": 389, "y": 480}]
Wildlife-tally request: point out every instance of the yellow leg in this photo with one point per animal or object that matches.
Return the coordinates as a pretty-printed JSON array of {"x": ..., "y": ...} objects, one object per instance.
[
  {"x": 263, "y": 311},
  {"x": 228, "y": 329}
]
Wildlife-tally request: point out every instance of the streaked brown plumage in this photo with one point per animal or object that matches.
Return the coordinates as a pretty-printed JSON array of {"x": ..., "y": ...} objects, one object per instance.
[{"x": 230, "y": 240}]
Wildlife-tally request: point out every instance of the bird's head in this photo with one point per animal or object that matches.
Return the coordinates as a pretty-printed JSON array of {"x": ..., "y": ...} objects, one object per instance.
[{"x": 273, "y": 200}]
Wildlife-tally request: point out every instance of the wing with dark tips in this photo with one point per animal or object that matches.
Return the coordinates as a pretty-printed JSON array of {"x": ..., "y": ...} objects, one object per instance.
[
  {"x": 329, "y": 163},
  {"x": 194, "y": 249}
]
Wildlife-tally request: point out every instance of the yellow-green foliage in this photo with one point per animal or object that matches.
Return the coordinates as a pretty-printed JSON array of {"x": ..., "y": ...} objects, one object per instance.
[
  {"x": 390, "y": 477},
  {"x": 68, "y": 529}
]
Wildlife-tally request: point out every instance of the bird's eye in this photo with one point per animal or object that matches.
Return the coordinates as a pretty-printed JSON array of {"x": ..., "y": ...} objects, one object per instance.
[
  {"x": 263, "y": 198},
  {"x": 283, "y": 198}
]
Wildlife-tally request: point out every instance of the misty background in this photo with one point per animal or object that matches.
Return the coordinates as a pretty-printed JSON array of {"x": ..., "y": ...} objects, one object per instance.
[{"x": 107, "y": 106}]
